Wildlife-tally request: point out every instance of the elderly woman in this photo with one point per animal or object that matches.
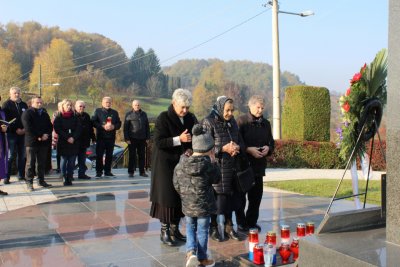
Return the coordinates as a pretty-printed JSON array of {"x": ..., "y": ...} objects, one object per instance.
[
  {"x": 68, "y": 128},
  {"x": 223, "y": 127},
  {"x": 172, "y": 138},
  {"x": 257, "y": 137}
]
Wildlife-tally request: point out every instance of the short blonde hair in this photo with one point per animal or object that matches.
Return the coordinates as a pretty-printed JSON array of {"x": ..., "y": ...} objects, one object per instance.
[
  {"x": 182, "y": 96},
  {"x": 66, "y": 101}
]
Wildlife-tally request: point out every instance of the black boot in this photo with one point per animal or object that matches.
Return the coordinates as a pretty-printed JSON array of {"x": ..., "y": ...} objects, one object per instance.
[
  {"x": 176, "y": 235},
  {"x": 214, "y": 234},
  {"x": 7, "y": 180},
  {"x": 231, "y": 233},
  {"x": 165, "y": 235}
]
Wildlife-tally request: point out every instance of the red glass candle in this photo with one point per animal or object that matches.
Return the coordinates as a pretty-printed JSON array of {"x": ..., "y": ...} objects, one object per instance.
[
  {"x": 294, "y": 247},
  {"x": 310, "y": 228},
  {"x": 301, "y": 229},
  {"x": 284, "y": 252},
  {"x": 108, "y": 120},
  {"x": 271, "y": 238},
  {"x": 258, "y": 254},
  {"x": 253, "y": 235},
  {"x": 285, "y": 233}
]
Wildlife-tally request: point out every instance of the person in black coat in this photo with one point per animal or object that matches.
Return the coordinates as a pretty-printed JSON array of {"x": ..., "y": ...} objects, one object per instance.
[
  {"x": 87, "y": 135},
  {"x": 257, "y": 136},
  {"x": 172, "y": 138},
  {"x": 136, "y": 134},
  {"x": 68, "y": 128},
  {"x": 13, "y": 109},
  {"x": 106, "y": 121},
  {"x": 223, "y": 128},
  {"x": 38, "y": 128}
]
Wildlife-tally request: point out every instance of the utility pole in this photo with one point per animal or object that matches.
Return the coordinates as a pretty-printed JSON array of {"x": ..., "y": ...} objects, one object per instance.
[{"x": 276, "y": 79}]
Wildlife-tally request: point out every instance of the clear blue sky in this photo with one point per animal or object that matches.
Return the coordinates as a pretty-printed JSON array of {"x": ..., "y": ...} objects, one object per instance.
[{"x": 324, "y": 50}]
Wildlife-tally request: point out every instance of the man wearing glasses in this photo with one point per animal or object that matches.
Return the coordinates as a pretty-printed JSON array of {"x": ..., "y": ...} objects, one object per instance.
[{"x": 86, "y": 135}]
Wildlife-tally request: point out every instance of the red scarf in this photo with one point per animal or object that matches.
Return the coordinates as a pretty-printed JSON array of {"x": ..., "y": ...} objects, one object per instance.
[{"x": 67, "y": 114}]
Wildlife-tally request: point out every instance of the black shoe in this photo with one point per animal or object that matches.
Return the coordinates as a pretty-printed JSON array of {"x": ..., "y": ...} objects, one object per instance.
[
  {"x": 214, "y": 234},
  {"x": 255, "y": 226},
  {"x": 165, "y": 235},
  {"x": 2, "y": 193},
  {"x": 6, "y": 180},
  {"x": 176, "y": 235},
  {"x": 131, "y": 174},
  {"x": 21, "y": 179},
  {"x": 84, "y": 177},
  {"x": 232, "y": 234},
  {"x": 44, "y": 184},
  {"x": 58, "y": 171},
  {"x": 243, "y": 228},
  {"x": 29, "y": 187},
  {"x": 143, "y": 174},
  {"x": 98, "y": 175},
  {"x": 109, "y": 174},
  {"x": 68, "y": 183}
]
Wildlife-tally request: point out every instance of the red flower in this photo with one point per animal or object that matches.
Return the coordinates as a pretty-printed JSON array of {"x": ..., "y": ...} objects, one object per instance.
[
  {"x": 363, "y": 68},
  {"x": 346, "y": 106},
  {"x": 356, "y": 78},
  {"x": 348, "y": 91}
]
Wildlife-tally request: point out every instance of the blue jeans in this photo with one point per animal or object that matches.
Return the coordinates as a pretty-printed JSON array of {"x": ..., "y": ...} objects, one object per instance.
[
  {"x": 67, "y": 165},
  {"x": 82, "y": 162},
  {"x": 16, "y": 146},
  {"x": 197, "y": 235}
]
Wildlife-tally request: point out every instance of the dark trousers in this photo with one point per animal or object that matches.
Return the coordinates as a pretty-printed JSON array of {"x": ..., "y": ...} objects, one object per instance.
[
  {"x": 254, "y": 197},
  {"x": 67, "y": 166},
  {"x": 82, "y": 162},
  {"x": 137, "y": 146},
  {"x": 16, "y": 146},
  {"x": 35, "y": 156},
  {"x": 107, "y": 146}
]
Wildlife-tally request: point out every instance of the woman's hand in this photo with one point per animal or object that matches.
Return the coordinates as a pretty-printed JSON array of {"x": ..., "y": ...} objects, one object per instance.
[
  {"x": 255, "y": 152},
  {"x": 231, "y": 148}
]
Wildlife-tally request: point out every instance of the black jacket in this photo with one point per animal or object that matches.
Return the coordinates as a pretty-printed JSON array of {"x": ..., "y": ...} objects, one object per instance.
[
  {"x": 66, "y": 128},
  {"x": 256, "y": 132},
  {"x": 165, "y": 156},
  {"x": 193, "y": 179},
  {"x": 223, "y": 132},
  {"x": 36, "y": 124},
  {"x": 100, "y": 118},
  {"x": 136, "y": 125},
  {"x": 87, "y": 132},
  {"x": 13, "y": 110}
]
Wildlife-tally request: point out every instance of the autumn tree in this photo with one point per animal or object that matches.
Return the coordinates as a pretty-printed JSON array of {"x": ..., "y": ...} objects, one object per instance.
[
  {"x": 9, "y": 71},
  {"x": 56, "y": 66}
]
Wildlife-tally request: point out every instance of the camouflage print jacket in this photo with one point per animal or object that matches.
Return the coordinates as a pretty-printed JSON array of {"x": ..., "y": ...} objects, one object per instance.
[{"x": 193, "y": 179}]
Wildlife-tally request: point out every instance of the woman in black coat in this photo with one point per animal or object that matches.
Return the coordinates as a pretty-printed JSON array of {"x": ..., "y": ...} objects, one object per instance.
[
  {"x": 172, "y": 138},
  {"x": 68, "y": 128},
  {"x": 223, "y": 128}
]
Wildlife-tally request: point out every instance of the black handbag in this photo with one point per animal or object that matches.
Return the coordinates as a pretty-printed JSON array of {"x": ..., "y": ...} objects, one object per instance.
[{"x": 244, "y": 174}]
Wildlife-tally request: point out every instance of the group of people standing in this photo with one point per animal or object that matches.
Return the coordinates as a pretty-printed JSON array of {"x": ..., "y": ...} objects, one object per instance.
[
  {"x": 26, "y": 136},
  {"x": 194, "y": 163}
]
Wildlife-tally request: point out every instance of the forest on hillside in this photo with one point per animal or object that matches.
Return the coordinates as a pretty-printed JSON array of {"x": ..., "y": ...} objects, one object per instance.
[{"x": 74, "y": 64}]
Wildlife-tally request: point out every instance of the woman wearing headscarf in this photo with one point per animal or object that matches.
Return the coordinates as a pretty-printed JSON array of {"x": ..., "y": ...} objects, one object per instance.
[
  {"x": 172, "y": 138},
  {"x": 224, "y": 129}
]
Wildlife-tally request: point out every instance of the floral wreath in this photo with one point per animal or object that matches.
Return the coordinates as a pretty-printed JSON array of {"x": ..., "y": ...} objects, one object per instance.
[{"x": 364, "y": 99}]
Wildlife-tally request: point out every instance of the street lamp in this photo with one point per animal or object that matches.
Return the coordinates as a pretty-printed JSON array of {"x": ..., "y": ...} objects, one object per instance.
[
  {"x": 40, "y": 84},
  {"x": 276, "y": 80}
]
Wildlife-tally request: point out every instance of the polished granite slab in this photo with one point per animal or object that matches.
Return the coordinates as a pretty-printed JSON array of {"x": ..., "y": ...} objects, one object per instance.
[{"x": 106, "y": 223}]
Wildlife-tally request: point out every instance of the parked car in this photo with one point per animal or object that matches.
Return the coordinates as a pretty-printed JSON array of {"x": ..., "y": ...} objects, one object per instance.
[{"x": 117, "y": 155}]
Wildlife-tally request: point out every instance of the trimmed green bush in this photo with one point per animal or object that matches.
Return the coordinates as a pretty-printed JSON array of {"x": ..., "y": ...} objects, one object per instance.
[
  {"x": 306, "y": 114},
  {"x": 316, "y": 155}
]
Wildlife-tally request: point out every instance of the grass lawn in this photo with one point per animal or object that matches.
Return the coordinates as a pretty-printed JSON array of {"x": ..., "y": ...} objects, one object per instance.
[{"x": 327, "y": 187}]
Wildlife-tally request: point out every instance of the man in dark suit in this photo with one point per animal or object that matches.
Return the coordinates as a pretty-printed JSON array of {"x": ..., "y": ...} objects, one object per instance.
[
  {"x": 106, "y": 121},
  {"x": 38, "y": 130}
]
